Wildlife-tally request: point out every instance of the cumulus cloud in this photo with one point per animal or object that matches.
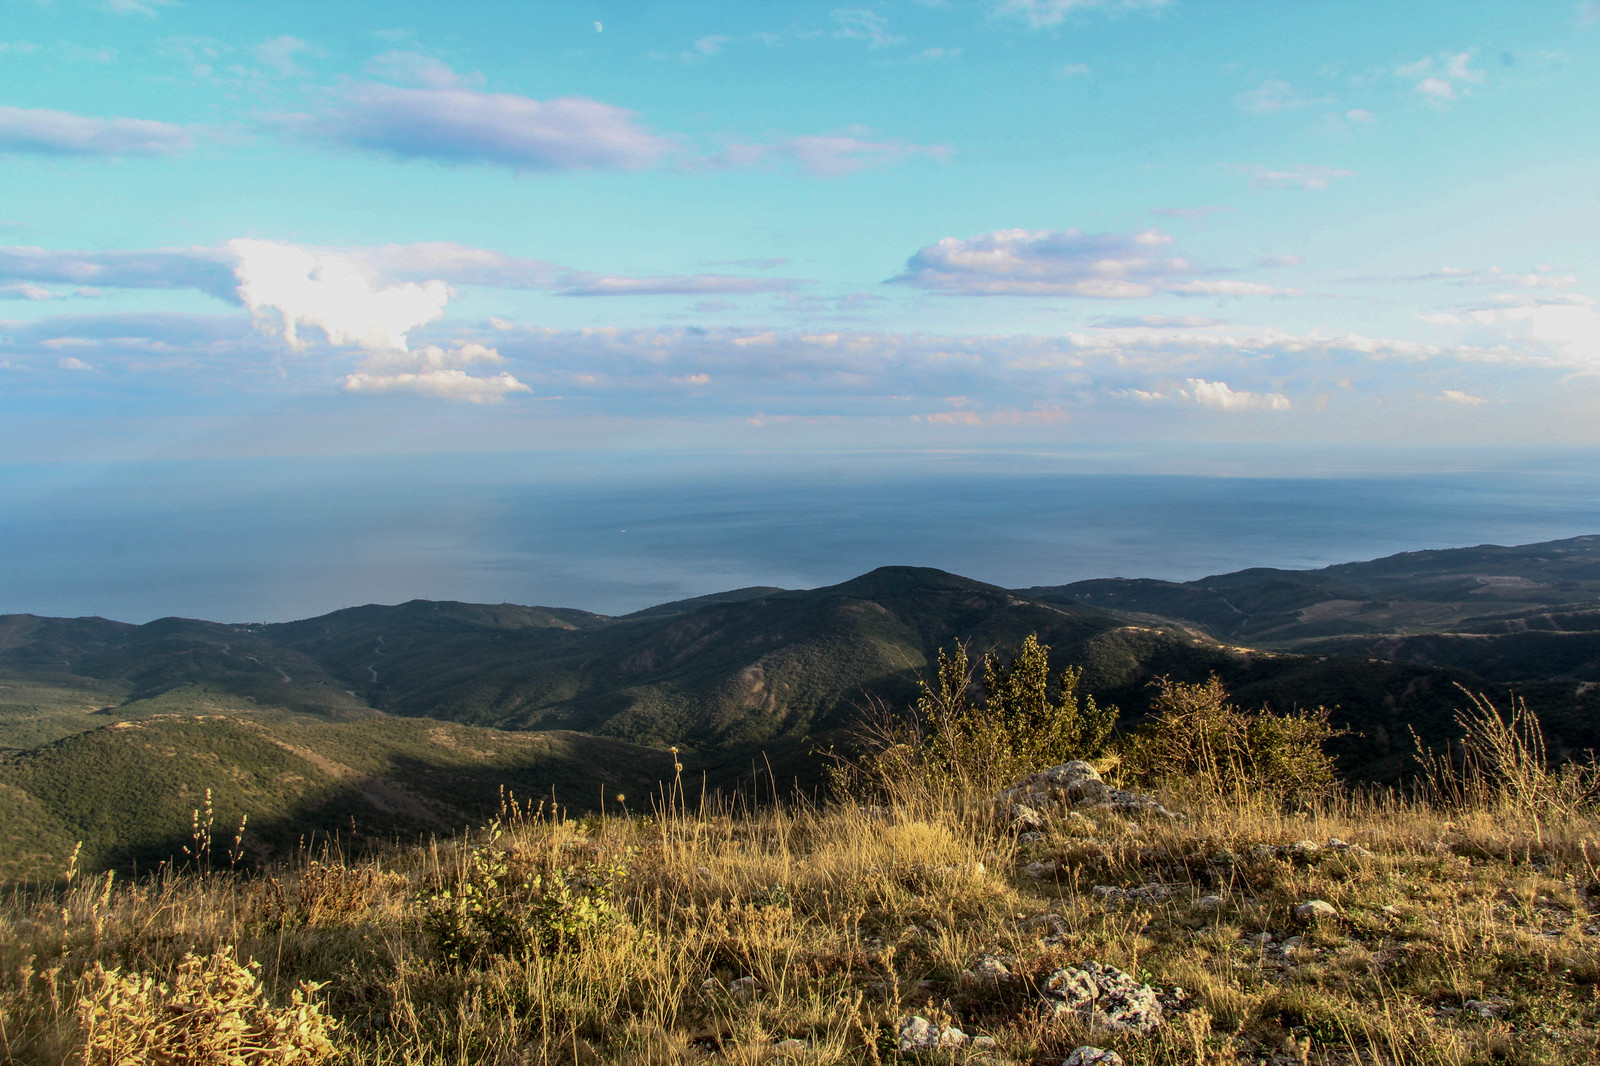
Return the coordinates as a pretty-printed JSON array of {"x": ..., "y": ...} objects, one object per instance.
[
  {"x": 220, "y": 272},
  {"x": 286, "y": 288},
  {"x": 831, "y": 154},
  {"x": 1018, "y": 262},
  {"x": 1217, "y": 396},
  {"x": 1042, "y": 14},
  {"x": 1441, "y": 79},
  {"x": 40, "y": 131},
  {"x": 448, "y": 122},
  {"x": 435, "y": 371},
  {"x": 1297, "y": 177},
  {"x": 1465, "y": 399}
]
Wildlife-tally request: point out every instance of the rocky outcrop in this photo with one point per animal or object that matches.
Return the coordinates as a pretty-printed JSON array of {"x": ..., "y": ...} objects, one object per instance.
[
  {"x": 1073, "y": 786},
  {"x": 1103, "y": 996}
]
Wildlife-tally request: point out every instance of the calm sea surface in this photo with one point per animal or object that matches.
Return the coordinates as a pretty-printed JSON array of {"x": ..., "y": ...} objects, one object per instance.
[{"x": 245, "y": 540}]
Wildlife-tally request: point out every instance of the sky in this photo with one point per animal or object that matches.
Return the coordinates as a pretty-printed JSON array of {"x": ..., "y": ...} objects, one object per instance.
[{"x": 311, "y": 229}]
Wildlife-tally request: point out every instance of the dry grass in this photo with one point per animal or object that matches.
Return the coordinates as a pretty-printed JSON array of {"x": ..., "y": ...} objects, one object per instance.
[{"x": 1465, "y": 934}]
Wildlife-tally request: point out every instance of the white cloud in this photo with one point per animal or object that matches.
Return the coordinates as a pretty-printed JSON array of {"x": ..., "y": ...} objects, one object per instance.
[
  {"x": 445, "y": 384},
  {"x": 1230, "y": 288},
  {"x": 690, "y": 285},
  {"x": 45, "y": 132},
  {"x": 1042, "y": 14},
  {"x": 451, "y": 123},
  {"x": 1217, "y": 396},
  {"x": 1361, "y": 115},
  {"x": 210, "y": 270},
  {"x": 858, "y": 24},
  {"x": 286, "y": 287},
  {"x": 1442, "y": 78},
  {"x": 24, "y": 291},
  {"x": 277, "y": 55},
  {"x": 71, "y": 363},
  {"x": 1074, "y": 70},
  {"x": 435, "y": 371},
  {"x": 147, "y": 8},
  {"x": 1274, "y": 95},
  {"x": 415, "y": 68},
  {"x": 1018, "y": 262},
  {"x": 1456, "y": 396},
  {"x": 1297, "y": 177},
  {"x": 831, "y": 154}
]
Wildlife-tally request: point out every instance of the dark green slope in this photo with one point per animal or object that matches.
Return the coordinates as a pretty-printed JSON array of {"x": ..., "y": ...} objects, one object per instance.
[
  {"x": 128, "y": 789},
  {"x": 1451, "y": 590}
]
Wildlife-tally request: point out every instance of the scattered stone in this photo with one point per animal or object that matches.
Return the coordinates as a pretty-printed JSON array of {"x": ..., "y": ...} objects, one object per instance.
[
  {"x": 790, "y": 1046},
  {"x": 710, "y": 985},
  {"x": 1074, "y": 785},
  {"x": 1146, "y": 894},
  {"x": 744, "y": 987},
  {"x": 1315, "y": 910},
  {"x": 703, "y": 871},
  {"x": 917, "y": 1033},
  {"x": 1208, "y": 903},
  {"x": 1030, "y": 837},
  {"x": 1040, "y": 870},
  {"x": 1223, "y": 857},
  {"x": 1103, "y": 996},
  {"x": 1092, "y": 1056},
  {"x": 986, "y": 970},
  {"x": 1045, "y": 925},
  {"x": 984, "y": 1043},
  {"x": 1490, "y": 1009}
]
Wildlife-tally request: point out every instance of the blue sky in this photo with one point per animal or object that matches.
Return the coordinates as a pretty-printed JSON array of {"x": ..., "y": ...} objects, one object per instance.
[{"x": 328, "y": 229}]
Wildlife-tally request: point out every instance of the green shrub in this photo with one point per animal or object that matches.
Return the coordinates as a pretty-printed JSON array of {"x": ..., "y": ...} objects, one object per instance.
[
  {"x": 1196, "y": 734},
  {"x": 494, "y": 908},
  {"x": 959, "y": 739}
]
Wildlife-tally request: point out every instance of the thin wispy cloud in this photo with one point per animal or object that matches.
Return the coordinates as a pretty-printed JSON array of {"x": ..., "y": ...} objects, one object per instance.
[
  {"x": 42, "y": 131},
  {"x": 1115, "y": 266},
  {"x": 1045, "y": 14}
]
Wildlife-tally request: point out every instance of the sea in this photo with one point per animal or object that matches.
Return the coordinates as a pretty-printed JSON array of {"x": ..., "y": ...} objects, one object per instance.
[{"x": 274, "y": 539}]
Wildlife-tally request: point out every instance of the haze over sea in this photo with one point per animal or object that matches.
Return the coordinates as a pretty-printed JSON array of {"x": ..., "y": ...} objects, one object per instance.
[{"x": 272, "y": 540}]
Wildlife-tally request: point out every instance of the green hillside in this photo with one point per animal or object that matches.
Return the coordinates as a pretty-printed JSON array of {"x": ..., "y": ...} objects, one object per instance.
[
  {"x": 129, "y": 788},
  {"x": 385, "y": 721}
]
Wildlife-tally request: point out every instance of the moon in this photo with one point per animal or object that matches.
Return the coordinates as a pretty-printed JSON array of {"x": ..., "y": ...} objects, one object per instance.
[{"x": 598, "y": 28}]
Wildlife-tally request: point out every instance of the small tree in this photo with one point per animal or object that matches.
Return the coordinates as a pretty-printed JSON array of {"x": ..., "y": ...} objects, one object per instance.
[{"x": 1022, "y": 723}]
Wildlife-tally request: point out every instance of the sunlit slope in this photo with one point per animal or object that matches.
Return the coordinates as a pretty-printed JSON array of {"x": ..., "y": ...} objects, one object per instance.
[{"x": 129, "y": 788}]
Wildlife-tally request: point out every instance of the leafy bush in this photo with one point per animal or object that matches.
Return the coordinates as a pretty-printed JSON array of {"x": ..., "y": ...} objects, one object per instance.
[
  {"x": 1196, "y": 734},
  {"x": 211, "y": 1013},
  {"x": 1021, "y": 723},
  {"x": 492, "y": 908}
]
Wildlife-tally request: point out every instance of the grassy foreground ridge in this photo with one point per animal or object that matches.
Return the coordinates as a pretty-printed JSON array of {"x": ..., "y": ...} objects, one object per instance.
[{"x": 1459, "y": 929}]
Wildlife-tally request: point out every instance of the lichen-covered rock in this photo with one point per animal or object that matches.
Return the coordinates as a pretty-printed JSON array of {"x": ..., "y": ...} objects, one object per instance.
[
  {"x": 1103, "y": 996},
  {"x": 1074, "y": 785},
  {"x": 1040, "y": 870},
  {"x": 1092, "y": 1056},
  {"x": 1045, "y": 925},
  {"x": 1315, "y": 910},
  {"x": 986, "y": 970},
  {"x": 917, "y": 1033}
]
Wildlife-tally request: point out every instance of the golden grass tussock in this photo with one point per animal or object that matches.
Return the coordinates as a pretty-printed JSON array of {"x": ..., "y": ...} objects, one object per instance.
[{"x": 1463, "y": 930}]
